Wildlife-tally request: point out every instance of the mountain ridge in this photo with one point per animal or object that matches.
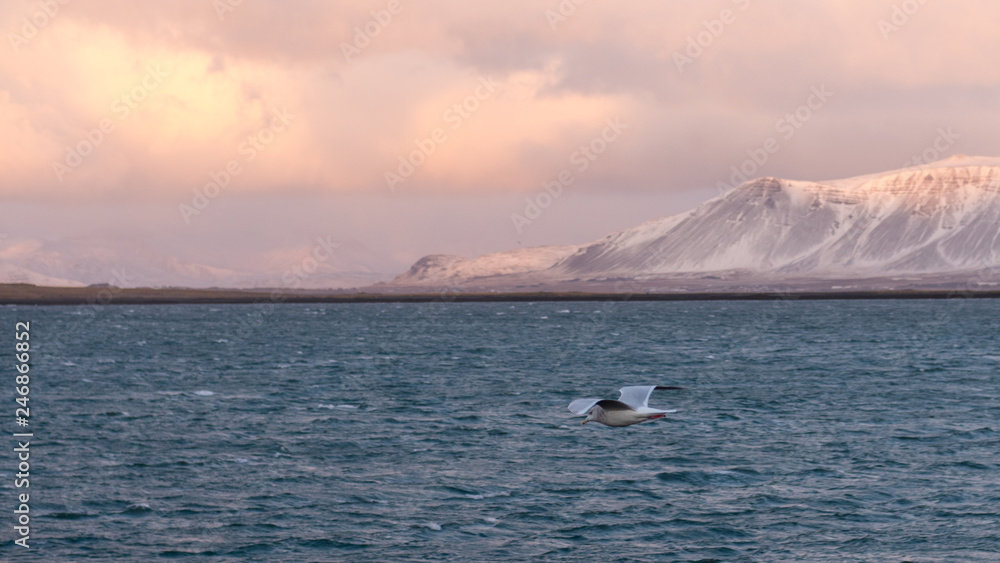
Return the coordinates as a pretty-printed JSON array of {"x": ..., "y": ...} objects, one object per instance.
[
  {"x": 81, "y": 261},
  {"x": 934, "y": 219}
]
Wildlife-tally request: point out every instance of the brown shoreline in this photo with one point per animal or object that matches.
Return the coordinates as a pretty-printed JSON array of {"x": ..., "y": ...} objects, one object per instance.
[{"x": 25, "y": 294}]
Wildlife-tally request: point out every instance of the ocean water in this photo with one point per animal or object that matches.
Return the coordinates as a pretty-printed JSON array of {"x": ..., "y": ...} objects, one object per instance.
[{"x": 808, "y": 431}]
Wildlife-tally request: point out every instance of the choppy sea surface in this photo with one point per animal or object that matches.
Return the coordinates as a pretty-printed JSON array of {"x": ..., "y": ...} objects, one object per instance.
[{"x": 808, "y": 431}]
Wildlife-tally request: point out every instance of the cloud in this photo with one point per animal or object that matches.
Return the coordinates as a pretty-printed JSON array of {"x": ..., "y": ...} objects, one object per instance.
[{"x": 224, "y": 77}]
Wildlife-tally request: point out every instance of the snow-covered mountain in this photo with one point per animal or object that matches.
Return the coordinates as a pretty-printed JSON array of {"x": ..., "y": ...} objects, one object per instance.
[
  {"x": 84, "y": 261},
  {"x": 939, "y": 218},
  {"x": 124, "y": 263},
  {"x": 14, "y": 274}
]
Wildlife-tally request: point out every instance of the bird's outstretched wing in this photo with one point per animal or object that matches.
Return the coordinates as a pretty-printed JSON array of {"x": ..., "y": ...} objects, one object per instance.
[
  {"x": 581, "y": 407},
  {"x": 637, "y": 396}
]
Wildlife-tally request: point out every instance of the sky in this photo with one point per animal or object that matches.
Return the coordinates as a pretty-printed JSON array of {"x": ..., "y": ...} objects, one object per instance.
[{"x": 223, "y": 130}]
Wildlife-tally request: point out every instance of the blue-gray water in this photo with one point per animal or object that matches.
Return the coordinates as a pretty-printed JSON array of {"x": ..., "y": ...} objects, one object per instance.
[{"x": 809, "y": 431}]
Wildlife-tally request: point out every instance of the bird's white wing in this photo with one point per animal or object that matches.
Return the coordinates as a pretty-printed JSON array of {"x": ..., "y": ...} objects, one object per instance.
[
  {"x": 580, "y": 407},
  {"x": 636, "y": 396}
]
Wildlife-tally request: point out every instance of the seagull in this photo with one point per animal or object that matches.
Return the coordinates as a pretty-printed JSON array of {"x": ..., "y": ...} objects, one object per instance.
[{"x": 632, "y": 407}]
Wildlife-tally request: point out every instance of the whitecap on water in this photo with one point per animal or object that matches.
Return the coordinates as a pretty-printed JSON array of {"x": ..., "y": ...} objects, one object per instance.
[
  {"x": 204, "y": 393},
  {"x": 138, "y": 508}
]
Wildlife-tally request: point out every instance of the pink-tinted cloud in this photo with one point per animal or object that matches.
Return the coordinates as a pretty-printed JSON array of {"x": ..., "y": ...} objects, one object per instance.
[{"x": 184, "y": 90}]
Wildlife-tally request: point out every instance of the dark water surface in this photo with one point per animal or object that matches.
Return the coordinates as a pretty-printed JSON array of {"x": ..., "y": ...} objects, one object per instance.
[{"x": 809, "y": 431}]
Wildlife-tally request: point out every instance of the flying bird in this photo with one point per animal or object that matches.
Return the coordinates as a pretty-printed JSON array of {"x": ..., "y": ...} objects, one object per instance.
[{"x": 632, "y": 407}]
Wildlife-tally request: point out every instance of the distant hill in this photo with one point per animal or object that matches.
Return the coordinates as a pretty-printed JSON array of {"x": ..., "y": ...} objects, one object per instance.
[{"x": 82, "y": 261}]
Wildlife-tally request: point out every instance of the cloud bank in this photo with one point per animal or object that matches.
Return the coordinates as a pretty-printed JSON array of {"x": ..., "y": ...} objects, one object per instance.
[{"x": 151, "y": 101}]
